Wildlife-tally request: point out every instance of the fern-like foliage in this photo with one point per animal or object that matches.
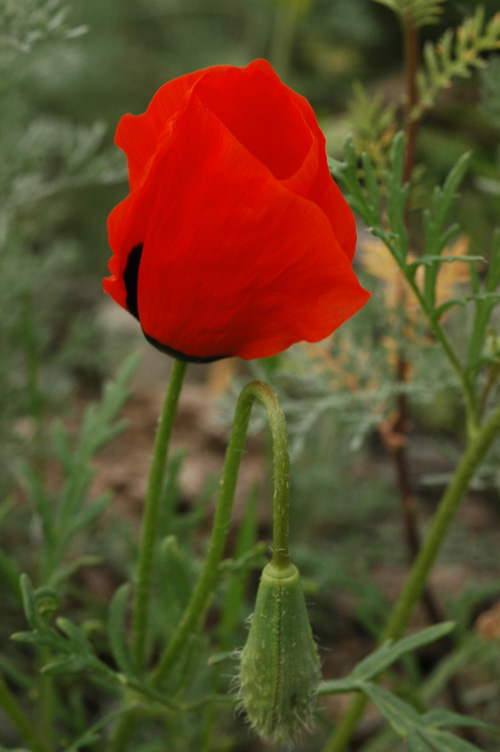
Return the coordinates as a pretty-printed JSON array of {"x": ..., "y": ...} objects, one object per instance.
[
  {"x": 374, "y": 125},
  {"x": 455, "y": 54},
  {"x": 417, "y": 12}
]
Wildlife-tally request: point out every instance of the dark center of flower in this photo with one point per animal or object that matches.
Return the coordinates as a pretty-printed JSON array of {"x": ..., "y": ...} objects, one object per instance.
[
  {"x": 130, "y": 279},
  {"x": 180, "y": 355}
]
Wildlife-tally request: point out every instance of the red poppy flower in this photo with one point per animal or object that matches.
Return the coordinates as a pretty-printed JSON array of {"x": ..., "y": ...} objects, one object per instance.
[{"x": 234, "y": 239}]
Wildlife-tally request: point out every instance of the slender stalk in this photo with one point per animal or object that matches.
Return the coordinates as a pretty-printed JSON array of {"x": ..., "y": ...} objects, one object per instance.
[
  {"x": 205, "y": 587},
  {"x": 152, "y": 504},
  {"x": 415, "y": 584},
  {"x": 23, "y": 725}
]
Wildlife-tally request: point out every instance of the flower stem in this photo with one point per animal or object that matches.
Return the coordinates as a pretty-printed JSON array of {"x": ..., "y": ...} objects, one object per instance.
[
  {"x": 152, "y": 504},
  {"x": 420, "y": 571},
  {"x": 16, "y": 715},
  {"x": 205, "y": 587}
]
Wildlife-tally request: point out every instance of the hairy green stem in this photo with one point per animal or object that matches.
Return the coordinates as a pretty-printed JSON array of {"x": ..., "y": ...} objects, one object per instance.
[
  {"x": 23, "y": 725},
  {"x": 152, "y": 505},
  {"x": 205, "y": 587},
  {"x": 419, "y": 573}
]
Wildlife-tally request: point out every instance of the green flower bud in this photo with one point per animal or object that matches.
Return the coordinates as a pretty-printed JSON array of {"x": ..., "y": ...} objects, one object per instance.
[{"x": 280, "y": 668}]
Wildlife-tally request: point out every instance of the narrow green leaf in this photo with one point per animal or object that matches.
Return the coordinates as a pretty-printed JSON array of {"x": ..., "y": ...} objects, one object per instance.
[
  {"x": 457, "y": 174},
  {"x": 398, "y": 158},
  {"x": 431, "y": 260},
  {"x": 390, "y": 652},
  {"x": 72, "y": 664},
  {"x": 448, "y": 234},
  {"x": 117, "y": 631},
  {"x": 62, "y": 446},
  {"x": 398, "y": 713},
  {"x": 28, "y": 599},
  {"x": 336, "y": 167},
  {"x": 41, "y": 501},
  {"x": 372, "y": 186},
  {"x": 30, "y": 638},
  {"x": 417, "y": 744},
  {"x": 397, "y": 195},
  {"x": 74, "y": 634},
  {"x": 442, "y": 741},
  {"x": 490, "y": 296},
  {"x": 444, "y": 718},
  {"x": 88, "y": 515}
]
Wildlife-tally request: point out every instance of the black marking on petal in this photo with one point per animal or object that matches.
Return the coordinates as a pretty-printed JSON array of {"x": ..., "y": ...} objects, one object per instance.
[
  {"x": 130, "y": 278},
  {"x": 180, "y": 355}
]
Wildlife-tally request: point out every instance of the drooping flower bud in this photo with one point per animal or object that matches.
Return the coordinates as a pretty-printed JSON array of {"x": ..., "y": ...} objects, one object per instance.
[{"x": 280, "y": 668}]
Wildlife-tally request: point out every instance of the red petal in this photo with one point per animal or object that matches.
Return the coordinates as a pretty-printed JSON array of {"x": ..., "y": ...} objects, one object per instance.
[
  {"x": 140, "y": 135},
  {"x": 233, "y": 262},
  {"x": 260, "y": 113},
  {"x": 325, "y": 192}
]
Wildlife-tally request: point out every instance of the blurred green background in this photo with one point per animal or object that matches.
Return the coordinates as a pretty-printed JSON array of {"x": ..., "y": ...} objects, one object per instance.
[{"x": 68, "y": 72}]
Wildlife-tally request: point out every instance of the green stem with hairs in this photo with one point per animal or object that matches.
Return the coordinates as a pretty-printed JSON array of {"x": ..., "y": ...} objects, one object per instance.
[
  {"x": 202, "y": 594},
  {"x": 152, "y": 505},
  {"x": 419, "y": 573}
]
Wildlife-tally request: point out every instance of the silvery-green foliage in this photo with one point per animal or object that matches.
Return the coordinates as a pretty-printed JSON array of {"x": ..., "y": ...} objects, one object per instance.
[
  {"x": 43, "y": 160},
  {"x": 23, "y": 23}
]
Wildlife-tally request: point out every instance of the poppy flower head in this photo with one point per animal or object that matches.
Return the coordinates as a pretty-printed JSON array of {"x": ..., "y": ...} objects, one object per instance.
[{"x": 234, "y": 238}]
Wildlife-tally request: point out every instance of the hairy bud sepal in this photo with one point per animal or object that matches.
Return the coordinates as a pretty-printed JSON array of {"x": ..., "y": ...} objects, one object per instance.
[{"x": 280, "y": 668}]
